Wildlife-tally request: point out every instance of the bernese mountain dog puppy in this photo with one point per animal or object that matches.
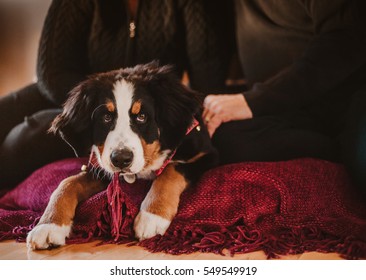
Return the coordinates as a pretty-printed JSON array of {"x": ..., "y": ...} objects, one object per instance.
[{"x": 138, "y": 122}]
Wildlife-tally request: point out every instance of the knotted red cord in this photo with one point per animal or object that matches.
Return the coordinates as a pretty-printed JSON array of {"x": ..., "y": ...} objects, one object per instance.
[{"x": 122, "y": 211}]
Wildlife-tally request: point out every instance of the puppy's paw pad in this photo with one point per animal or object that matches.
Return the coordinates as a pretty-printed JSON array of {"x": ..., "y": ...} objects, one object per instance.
[
  {"x": 148, "y": 225},
  {"x": 45, "y": 236}
]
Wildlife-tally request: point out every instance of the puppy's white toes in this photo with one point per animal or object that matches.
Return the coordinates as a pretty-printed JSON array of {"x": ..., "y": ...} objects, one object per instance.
[
  {"x": 148, "y": 225},
  {"x": 45, "y": 236}
]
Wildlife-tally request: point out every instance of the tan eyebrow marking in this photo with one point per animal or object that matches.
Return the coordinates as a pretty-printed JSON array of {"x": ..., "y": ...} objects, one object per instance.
[
  {"x": 110, "y": 105},
  {"x": 136, "y": 107}
]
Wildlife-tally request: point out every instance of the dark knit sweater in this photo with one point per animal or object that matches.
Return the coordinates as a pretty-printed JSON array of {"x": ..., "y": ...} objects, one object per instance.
[
  {"x": 301, "y": 53},
  {"x": 81, "y": 37}
]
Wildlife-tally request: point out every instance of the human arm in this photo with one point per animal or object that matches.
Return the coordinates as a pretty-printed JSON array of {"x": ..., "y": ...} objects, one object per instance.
[{"x": 62, "y": 57}]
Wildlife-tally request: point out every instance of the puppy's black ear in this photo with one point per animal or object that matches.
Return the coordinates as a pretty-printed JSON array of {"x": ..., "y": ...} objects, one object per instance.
[
  {"x": 74, "y": 123},
  {"x": 175, "y": 104}
]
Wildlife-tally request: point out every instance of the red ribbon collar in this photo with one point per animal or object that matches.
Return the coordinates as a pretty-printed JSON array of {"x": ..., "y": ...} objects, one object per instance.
[{"x": 194, "y": 124}]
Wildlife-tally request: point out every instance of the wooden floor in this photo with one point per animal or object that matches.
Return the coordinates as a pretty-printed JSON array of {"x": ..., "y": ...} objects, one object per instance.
[{"x": 11, "y": 250}]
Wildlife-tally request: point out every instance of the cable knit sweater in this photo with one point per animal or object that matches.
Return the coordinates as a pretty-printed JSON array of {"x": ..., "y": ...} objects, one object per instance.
[{"x": 81, "y": 37}]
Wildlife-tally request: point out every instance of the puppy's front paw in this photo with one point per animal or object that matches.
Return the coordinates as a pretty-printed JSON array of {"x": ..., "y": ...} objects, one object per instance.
[
  {"x": 148, "y": 225},
  {"x": 45, "y": 236}
]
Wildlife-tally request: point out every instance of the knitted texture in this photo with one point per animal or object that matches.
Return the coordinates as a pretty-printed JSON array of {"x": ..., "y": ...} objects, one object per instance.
[
  {"x": 82, "y": 37},
  {"x": 282, "y": 208}
]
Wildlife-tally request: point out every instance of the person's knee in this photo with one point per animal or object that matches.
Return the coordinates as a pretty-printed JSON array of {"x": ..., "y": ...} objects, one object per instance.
[
  {"x": 32, "y": 130},
  {"x": 28, "y": 146}
]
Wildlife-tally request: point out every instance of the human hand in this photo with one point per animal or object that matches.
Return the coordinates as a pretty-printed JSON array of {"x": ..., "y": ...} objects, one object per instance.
[{"x": 223, "y": 108}]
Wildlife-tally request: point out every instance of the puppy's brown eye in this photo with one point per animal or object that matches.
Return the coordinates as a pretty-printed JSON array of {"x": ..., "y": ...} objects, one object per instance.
[
  {"x": 107, "y": 118},
  {"x": 141, "y": 118}
]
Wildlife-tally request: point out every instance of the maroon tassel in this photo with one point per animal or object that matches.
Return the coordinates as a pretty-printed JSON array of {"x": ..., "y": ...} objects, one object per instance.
[{"x": 122, "y": 212}]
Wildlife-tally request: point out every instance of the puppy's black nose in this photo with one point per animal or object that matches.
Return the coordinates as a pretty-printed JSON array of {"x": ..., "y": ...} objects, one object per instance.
[{"x": 122, "y": 158}]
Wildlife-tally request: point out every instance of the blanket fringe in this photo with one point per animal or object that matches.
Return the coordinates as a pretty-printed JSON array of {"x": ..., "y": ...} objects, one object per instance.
[
  {"x": 240, "y": 240},
  {"x": 236, "y": 239},
  {"x": 208, "y": 239}
]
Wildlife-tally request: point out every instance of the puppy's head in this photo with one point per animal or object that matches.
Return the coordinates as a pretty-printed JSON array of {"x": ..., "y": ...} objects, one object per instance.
[{"x": 131, "y": 118}]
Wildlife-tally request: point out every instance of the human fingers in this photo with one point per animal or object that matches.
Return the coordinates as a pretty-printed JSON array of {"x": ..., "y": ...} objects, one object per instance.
[
  {"x": 211, "y": 102},
  {"x": 213, "y": 124},
  {"x": 231, "y": 107},
  {"x": 208, "y": 113},
  {"x": 208, "y": 117}
]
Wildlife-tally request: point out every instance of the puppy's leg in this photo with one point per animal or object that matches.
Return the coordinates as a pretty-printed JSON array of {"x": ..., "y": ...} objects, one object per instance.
[
  {"x": 55, "y": 224},
  {"x": 160, "y": 204}
]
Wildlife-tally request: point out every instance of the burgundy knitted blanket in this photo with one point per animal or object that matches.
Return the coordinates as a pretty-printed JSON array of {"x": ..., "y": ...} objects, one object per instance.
[{"x": 282, "y": 208}]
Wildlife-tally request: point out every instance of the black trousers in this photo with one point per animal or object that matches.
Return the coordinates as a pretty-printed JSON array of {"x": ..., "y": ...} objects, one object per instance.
[
  {"x": 328, "y": 135},
  {"x": 26, "y": 115},
  {"x": 271, "y": 138}
]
